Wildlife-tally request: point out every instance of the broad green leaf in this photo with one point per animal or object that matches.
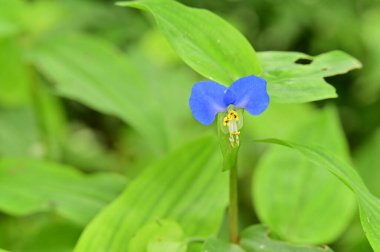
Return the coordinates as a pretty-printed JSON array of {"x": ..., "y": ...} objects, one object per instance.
[
  {"x": 216, "y": 245},
  {"x": 10, "y": 16},
  {"x": 290, "y": 82},
  {"x": 40, "y": 232},
  {"x": 186, "y": 186},
  {"x": 91, "y": 71},
  {"x": 159, "y": 236},
  {"x": 256, "y": 239},
  {"x": 206, "y": 42},
  {"x": 14, "y": 85},
  {"x": 367, "y": 160},
  {"x": 281, "y": 173},
  {"x": 54, "y": 236},
  {"x": 29, "y": 186},
  {"x": 3, "y": 250},
  {"x": 369, "y": 205}
]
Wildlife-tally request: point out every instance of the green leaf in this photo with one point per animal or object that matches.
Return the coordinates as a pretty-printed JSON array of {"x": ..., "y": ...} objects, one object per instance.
[
  {"x": 367, "y": 160},
  {"x": 159, "y": 236},
  {"x": 281, "y": 173},
  {"x": 256, "y": 239},
  {"x": 11, "y": 16},
  {"x": 39, "y": 232},
  {"x": 289, "y": 82},
  {"x": 91, "y": 71},
  {"x": 51, "y": 115},
  {"x": 368, "y": 87},
  {"x": 166, "y": 82},
  {"x": 15, "y": 138},
  {"x": 216, "y": 245},
  {"x": 291, "y": 116},
  {"x": 14, "y": 85},
  {"x": 186, "y": 186},
  {"x": 206, "y": 42},
  {"x": 369, "y": 205},
  {"x": 29, "y": 186}
]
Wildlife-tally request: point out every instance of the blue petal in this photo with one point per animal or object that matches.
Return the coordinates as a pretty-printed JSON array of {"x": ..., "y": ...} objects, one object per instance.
[
  {"x": 206, "y": 100},
  {"x": 251, "y": 94},
  {"x": 229, "y": 97}
]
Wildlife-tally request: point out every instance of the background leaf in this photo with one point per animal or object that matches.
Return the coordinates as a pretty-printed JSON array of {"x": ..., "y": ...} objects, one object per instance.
[
  {"x": 28, "y": 186},
  {"x": 256, "y": 238},
  {"x": 186, "y": 186},
  {"x": 367, "y": 160},
  {"x": 10, "y": 17},
  {"x": 38, "y": 232},
  {"x": 91, "y": 71},
  {"x": 206, "y": 42},
  {"x": 315, "y": 192},
  {"x": 369, "y": 205},
  {"x": 292, "y": 82},
  {"x": 15, "y": 138},
  {"x": 14, "y": 85}
]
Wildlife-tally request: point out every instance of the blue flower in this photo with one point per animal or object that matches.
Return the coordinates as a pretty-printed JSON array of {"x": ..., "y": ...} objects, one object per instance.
[{"x": 208, "y": 98}]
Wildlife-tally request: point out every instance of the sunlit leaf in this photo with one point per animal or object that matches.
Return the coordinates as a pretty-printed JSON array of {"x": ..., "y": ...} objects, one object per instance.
[
  {"x": 282, "y": 172},
  {"x": 256, "y": 239},
  {"x": 28, "y": 186},
  {"x": 369, "y": 205},
  {"x": 296, "y": 77},
  {"x": 187, "y": 186},
  {"x": 206, "y": 42}
]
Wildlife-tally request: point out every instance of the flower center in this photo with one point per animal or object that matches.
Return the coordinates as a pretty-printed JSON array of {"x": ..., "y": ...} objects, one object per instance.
[{"x": 230, "y": 121}]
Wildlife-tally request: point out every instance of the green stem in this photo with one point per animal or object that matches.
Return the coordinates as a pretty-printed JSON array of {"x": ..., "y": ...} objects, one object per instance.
[{"x": 233, "y": 208}]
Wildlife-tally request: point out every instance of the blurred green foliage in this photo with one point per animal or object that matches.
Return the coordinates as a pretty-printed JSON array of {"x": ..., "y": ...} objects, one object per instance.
[{"x": 97, "y": 87}]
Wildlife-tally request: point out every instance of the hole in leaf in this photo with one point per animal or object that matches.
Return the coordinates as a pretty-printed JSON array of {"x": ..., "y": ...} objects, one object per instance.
[{"x": 302, "y": 61}]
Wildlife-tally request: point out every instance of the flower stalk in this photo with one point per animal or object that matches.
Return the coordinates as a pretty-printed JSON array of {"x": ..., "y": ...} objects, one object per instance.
[
  {"x": 210, "y": 100},
  {"x": 233, "y": 220}
]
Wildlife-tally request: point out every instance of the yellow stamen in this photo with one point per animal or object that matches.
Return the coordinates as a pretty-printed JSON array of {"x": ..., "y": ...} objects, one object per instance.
[
  {"x": 233, "y": 115},
  {"x": 230, "y": 122},
  {"x": 226, "y": 121}
]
